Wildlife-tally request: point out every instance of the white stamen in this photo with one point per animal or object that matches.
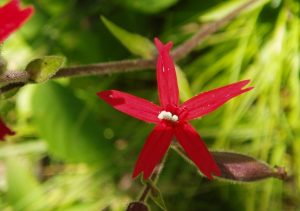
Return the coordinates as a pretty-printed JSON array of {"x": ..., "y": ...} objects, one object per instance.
[
  {"x": 168, "y": 116},
  {"x": 175, "y": 118}
]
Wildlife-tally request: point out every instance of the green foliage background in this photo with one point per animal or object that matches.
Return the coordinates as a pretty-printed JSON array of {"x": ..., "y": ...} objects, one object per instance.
[{"x": 74, "y": 152}]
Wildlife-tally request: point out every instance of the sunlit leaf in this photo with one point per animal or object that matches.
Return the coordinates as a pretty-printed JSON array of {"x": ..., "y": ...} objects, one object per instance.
[
  {"x": 226, "y": 7},
  {"x": 40, "y": 70},
  {"x": 148, "y": 6},
  {"x": 24, "y": 191},
  {"x": 72, "y": 132},
  {"x": 183, "y": 85},
  {"x": 135, "y": 43}
]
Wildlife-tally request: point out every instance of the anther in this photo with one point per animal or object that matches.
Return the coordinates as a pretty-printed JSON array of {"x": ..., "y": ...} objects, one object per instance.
[{"x": 167, "y": 116}]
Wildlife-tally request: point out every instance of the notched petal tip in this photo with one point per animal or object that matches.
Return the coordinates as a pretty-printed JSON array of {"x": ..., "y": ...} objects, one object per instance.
[
  {"x": 168, "y": 46},
  {"x": 195, "y": 149},
  {"x": 28, "y": 11},
  {"x": 14, "y": 17},
  {"x": 248, "y": 89},
  {"x": 215, "y": 172},
  {"x": 161, "y": 47},
  {"x": 136, "y": 173},
  {"x": 14, "y": 6},
  {"x": 153, "y": 151},
  {"x": 244, "y": 83}
]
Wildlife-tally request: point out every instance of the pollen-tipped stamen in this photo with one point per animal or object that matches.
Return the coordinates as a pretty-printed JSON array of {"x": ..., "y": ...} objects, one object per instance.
[{"x": 167, "y": 116}]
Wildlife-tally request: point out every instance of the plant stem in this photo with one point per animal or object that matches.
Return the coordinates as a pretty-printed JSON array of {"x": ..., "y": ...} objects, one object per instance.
[
  {"x": 106, "y": 68},
  {"x": 208, "y": 29},
  {"x": 11, "y": 87},
  {"x": 144, "y": 195},
  {"x": 154, "y": 178},
  {"x": 15, "y": 79}
]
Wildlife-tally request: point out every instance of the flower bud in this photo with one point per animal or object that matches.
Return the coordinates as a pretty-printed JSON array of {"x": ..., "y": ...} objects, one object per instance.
[{"x": 239, "y": 167}]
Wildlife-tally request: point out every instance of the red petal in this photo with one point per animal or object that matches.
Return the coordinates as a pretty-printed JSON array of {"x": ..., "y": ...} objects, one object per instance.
[
  {"x": 12, "y": 17},
  {"x": 131, "y": 105},
  {"x": 207, "y": 102},
  {"x": 4, "y": 130},
  {"x": 153, "y": 151},
  {"x": 166, "y": 75},
  {"x": 195, "y": 148}
]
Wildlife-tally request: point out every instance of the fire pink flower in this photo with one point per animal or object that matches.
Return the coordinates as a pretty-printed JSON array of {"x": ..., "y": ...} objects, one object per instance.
[
  {"x": 12, "y": 17},
  {"x": 171, "y": 119}
]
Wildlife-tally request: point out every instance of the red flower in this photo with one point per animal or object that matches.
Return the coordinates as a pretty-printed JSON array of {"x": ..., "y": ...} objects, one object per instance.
[
  {"x": 12, "y": 17},
  {"x": 171, "y": 118},
  {"x": 4, "y": 130}
]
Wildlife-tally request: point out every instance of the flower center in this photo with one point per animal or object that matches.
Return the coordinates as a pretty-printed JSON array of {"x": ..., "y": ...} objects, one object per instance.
[{"x": 167, "y": 116}]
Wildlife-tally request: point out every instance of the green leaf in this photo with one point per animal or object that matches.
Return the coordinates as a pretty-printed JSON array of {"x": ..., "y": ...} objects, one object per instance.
[
  {"x": 24, "y": 191},
  {"x": 71, "y": 131},
  {"x": 222, "y": 9},
  {"x": 156, "y": 196},
  {"x": 183, "y": 85},
  {"x": 148, "y": 6},
  {"x": 135, "y": 43},
  {"x": 41, "y": 69}
]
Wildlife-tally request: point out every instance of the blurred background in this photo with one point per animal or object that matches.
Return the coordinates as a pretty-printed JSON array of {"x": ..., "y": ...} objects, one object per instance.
[{"x": 74, "y": 152}]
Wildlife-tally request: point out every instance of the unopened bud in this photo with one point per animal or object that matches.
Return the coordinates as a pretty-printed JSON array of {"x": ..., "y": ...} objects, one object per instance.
[
  {"x": 239, "y": 167},
  {"x": 137, "y": 206}
]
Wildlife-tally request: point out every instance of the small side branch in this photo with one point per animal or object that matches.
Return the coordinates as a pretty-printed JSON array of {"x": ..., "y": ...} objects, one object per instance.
[{"x": 154, "y": 178}]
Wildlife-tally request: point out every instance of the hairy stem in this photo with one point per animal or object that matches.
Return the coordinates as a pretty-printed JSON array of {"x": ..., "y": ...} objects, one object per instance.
[{"x": 106, "y": 68}]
